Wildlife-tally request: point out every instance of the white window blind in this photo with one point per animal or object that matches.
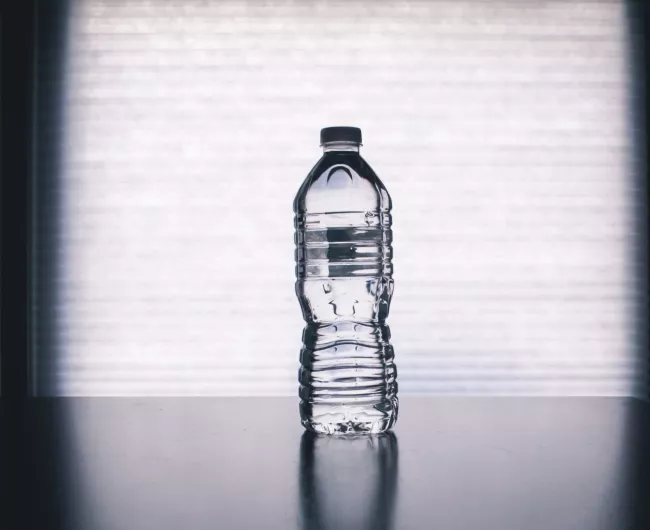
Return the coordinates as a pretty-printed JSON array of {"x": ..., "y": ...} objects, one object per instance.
[{"x": 501, "y": 130}]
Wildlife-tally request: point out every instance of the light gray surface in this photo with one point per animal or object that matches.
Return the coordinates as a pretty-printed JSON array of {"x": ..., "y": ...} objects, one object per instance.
[
  {"x": 239, "y": 463},
  {"x": 498, "y": 127}
]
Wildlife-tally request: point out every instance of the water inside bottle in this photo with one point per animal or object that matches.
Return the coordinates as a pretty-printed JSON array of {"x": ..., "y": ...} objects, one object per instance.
[{"x": 344, "y": 284}]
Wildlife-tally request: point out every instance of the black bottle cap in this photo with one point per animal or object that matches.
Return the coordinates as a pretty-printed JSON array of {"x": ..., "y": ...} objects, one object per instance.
[{"x": 340, "y": 134}]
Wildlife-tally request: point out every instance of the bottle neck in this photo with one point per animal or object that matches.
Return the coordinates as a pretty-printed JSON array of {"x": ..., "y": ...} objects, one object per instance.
[{"x": 350, "y": 147}]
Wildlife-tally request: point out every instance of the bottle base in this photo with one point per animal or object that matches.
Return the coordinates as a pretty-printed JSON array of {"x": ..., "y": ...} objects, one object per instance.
[{"x": 339, "y": 420}]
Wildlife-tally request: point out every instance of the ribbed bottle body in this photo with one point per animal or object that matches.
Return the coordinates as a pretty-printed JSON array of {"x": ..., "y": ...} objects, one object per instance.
[{"x": 344, "y": 285}]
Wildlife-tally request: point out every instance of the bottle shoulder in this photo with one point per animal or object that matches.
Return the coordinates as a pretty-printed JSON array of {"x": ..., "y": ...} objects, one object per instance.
[{"x": 339, "y": 182}]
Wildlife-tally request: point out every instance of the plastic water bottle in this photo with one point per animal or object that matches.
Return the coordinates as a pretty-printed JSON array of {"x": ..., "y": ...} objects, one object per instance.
[{"x": 344, "y": 284}]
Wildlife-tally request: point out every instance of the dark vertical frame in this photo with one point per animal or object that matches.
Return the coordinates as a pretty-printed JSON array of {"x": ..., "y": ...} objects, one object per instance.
[
  {"x": 18, "y": 47},
  {"x": 47, "y": 192},
  {"x": 637, "y": 16},
  {"x": 33, "y": 48}
]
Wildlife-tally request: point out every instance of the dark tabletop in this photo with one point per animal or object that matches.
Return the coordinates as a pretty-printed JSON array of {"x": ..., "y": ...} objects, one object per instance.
[{"x": 222, "y": 463}]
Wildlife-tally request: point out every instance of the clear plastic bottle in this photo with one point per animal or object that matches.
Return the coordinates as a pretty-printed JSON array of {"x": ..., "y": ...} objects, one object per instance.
[{"x": 344, "y": 284}]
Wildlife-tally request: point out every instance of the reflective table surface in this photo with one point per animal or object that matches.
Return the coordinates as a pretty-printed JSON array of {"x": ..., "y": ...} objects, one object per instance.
[{"x": 239, "y": 463}]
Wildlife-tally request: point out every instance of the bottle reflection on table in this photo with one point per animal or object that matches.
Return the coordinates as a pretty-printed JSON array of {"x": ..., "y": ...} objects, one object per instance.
[{"x": 348, "y": 482}]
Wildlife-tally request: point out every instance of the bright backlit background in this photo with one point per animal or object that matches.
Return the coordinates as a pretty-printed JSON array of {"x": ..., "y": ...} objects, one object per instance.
[{"x": 501, "y": 129}]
